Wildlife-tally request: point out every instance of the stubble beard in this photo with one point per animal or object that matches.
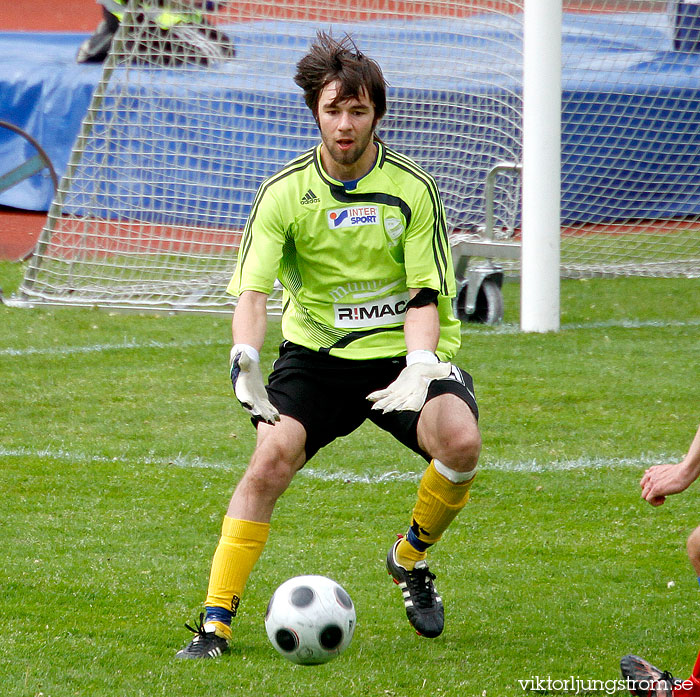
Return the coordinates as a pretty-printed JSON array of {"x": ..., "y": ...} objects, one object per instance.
[{"x": 348, "y": 157}]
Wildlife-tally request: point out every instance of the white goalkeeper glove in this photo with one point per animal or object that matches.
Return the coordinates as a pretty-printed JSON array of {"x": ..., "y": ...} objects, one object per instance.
[
  {"x": 409, "y": 390},
  {"x": 248, "y": 384}
]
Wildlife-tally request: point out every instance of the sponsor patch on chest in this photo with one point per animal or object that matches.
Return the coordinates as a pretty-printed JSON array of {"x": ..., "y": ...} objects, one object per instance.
[
  {"x": 374, "y": 313},
  {"x": 353, "y": 216}
]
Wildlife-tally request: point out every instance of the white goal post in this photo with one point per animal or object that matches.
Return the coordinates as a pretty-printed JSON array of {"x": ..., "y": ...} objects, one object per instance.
[
  {"x": 186, "y": 122},
  {"x": 541, "y": 201}
]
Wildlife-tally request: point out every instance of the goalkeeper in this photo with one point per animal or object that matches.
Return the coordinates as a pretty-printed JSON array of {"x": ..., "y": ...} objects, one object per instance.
[{"x": 356, "y": 234}]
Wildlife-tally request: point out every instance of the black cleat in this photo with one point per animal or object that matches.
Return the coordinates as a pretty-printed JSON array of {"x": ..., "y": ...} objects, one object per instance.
[
  {"x": 646, "y": 680},
  {"x": 206, "y": 643},
  {"x": 96, "y": 48},
  {"x": 423, "y": 604}
]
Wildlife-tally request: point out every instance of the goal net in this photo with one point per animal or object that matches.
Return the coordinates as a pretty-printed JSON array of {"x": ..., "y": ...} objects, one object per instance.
[{"x": 196, "y": 107}]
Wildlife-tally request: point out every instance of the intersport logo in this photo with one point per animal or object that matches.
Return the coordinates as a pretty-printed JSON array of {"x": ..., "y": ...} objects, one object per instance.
[
  {"x": 352, "y": 217},
  {"x": 374, "y": 313}
]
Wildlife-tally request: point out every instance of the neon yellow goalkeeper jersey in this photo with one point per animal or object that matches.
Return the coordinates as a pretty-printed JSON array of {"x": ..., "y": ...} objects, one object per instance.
[{"x": 346, "y": 258}]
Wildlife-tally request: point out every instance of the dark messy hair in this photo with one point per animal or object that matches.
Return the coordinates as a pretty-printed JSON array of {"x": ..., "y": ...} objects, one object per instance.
[{"x": 329, "y": 60}]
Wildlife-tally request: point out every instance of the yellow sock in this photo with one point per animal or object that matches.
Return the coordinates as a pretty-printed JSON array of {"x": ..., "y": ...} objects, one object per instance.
[
  {"x": 407, "y": 555},
  {"x": 221, "y": 629},
  {"x": 239, "y": 547},
  {"x": 439, "y": 501}
]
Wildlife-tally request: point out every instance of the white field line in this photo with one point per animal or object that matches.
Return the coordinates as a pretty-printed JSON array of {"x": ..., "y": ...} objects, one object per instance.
[
  {"x": 128, "y": 344},
  {"x": 118, "y": 346},
  {"x": 607, "y": 324},
  {"x": 393, "y": 475}
]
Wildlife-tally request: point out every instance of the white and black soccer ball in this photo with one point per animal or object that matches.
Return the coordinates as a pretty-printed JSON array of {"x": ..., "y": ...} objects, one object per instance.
[{"x": 310, "y": 619}]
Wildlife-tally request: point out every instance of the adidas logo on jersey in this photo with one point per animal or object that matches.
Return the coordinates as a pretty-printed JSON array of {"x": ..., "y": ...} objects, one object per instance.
[{"x": 309, "y": 197}]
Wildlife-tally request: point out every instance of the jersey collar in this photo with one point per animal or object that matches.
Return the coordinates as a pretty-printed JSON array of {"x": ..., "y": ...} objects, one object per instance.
[{"x": 379, "y": 161}]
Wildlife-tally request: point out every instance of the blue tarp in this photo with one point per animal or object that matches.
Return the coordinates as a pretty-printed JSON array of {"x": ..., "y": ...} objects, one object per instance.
[
  {"x": 630, "y": 132},
  {"x": 44, "y": 92}
]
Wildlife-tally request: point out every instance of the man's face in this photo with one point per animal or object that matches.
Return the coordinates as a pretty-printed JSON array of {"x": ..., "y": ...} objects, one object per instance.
[{"x": 346, "y": 128}]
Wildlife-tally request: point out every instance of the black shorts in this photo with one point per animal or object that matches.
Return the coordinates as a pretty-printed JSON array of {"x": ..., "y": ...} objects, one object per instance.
[{"x": 328, "y": 395}]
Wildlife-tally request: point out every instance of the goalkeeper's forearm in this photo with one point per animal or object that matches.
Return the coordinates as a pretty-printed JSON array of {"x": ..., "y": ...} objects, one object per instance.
[
  {"x": 422, "y": 332},
  {"x": 421, "y": 327},
  {"x": 249, "y": 323}
]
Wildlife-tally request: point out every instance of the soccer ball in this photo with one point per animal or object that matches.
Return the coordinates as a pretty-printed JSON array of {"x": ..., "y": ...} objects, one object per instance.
[{"x": 310, "y": 619}]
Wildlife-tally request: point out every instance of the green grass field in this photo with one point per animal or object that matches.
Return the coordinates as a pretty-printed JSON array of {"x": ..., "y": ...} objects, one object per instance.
[
  {"x": 120, "y": 443},
  {"x": 605, "y": 248}
]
